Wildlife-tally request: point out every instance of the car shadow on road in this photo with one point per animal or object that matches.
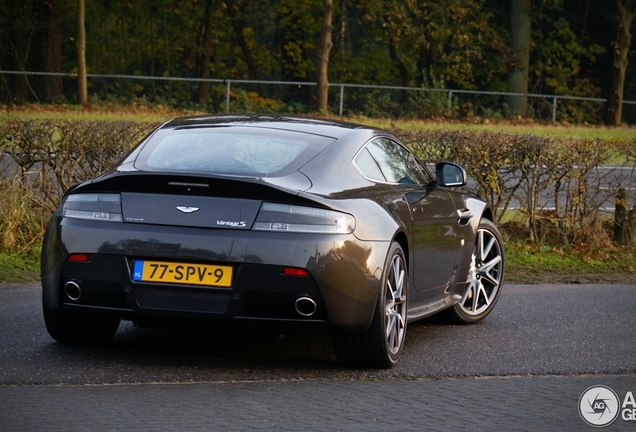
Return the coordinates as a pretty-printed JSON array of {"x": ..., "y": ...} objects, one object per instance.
[
  {"x": 221, "y": 354},
  {"x": 187, "y": 354}
]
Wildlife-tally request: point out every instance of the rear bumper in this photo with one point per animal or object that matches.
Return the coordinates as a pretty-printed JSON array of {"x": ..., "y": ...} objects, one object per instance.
[{"x": 344, "y": 273}]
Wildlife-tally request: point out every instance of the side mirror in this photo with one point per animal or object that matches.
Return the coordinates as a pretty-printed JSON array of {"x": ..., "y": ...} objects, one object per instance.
[{"x": 449, "y": 174}]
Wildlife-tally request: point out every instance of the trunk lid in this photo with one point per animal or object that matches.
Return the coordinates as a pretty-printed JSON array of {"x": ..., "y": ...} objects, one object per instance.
[
  {"x": 192, "y": 211},
  {"x": 196, "y": 201}
]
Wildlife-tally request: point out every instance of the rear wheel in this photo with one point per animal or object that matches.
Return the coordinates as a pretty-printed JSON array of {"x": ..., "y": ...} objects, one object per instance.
[
  {"x": 80, "y": 328},
  {"x": 485, "y": 278},
  {"x": 381, "y": 345}
]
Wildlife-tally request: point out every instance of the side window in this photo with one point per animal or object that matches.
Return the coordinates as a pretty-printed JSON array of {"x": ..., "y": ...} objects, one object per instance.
[
  {"x": 427, "y": 178},
  {"x": 397, "y": 163},
  {"x": 368, "y": 167}
]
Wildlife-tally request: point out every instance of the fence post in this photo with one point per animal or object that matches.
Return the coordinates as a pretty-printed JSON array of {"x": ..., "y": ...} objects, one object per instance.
[
  {"x": 450, "y": 99},
  {"x": 554, "y": 101},
  {"x": 227, "y": 96},
  {"x": 341, "y": 100}
]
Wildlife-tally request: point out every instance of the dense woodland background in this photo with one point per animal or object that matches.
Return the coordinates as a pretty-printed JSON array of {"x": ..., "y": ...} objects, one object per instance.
[{"x": 444, "y": 44}]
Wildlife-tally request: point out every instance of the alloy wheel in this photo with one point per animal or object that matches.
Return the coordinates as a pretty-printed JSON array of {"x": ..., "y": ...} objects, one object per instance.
[
  {"x": 395, "y": 305},
  {"x": 484, "y": 275}
]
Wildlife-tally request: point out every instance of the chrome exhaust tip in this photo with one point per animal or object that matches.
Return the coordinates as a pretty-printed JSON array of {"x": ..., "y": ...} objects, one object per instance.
[
  {"x": 305, "y": 306},
  {"x": 73, "y": 290}
]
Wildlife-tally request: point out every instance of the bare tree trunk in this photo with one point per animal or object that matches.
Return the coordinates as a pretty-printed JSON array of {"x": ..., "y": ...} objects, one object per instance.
[
  {"x": 53, "y": 50},
  {"x": 405, "y": 77},
  {"x": 324, "y": 46},
  {"x": 343, "y": 29},
  {"x": 15, "y": 48},
  {"x": 520, "y": 25},
  {"x": 626, "y": 13},
  {"x": 236, "y": 18},
  {"x": 204, "y": 71},
  {"x": 82, "y": 86},
  {"x": 427, "y": 63}
]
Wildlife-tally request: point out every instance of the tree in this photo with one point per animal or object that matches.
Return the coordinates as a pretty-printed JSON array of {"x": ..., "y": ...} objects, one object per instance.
[
  {"x": 394, "y": 33},
  {"x": 561, "y": 56},
  {"x": 441, "y": 44},
  {"x": 324, "y": 46},
  {"x": 82, "y": 86},
  {"x": 520, "y": 24},
  {"x": 432, "y": 44},
  {"x": 208, "y": 42},
  {"x": 237, "y": 14},
  {"x": 19, "y": 28},
  {"x": 626, "y": 13},
  {"x": 53, "y": 56}
]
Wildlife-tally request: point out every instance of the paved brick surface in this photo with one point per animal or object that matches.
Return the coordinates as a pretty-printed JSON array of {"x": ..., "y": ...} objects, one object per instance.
[{"x": 546, "y": 403}]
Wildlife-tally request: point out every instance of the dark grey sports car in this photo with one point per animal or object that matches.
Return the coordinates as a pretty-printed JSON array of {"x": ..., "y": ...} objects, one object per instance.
[{"x": 283, "y": 221}]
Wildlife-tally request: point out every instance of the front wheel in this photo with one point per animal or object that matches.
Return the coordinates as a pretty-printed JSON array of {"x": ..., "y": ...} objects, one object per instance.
[
  {"x": 485, "y": 277},
  {"x": 80, "y": 328},
  {"x": 380, "y": 346}
]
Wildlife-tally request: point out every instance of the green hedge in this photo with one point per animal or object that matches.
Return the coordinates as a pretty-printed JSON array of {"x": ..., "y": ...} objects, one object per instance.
[
  {"x": 40, "y": 159},
  {"x": 510, "y": 168}
]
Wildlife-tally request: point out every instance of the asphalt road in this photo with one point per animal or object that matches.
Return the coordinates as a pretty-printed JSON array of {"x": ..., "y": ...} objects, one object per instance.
[{"x": 542, "y": 343}]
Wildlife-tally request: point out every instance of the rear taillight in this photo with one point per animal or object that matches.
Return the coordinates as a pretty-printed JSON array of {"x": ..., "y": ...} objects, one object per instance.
[
  {"x": 104, "y": 207},
  {"x": 294, "y": 271},
  {"x": 79, "y": 257},
  {"x": 292, "y": 218}
]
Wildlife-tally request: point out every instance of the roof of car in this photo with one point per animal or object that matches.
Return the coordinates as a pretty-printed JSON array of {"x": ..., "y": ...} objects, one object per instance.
[{"x": 311, "y": 125}]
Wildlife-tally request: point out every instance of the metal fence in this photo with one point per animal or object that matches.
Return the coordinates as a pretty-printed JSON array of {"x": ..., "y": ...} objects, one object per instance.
[{"x": 451, "y": 95}]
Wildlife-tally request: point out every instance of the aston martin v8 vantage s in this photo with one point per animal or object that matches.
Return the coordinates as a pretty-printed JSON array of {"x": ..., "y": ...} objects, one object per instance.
[{"x": 283, "y": 221}]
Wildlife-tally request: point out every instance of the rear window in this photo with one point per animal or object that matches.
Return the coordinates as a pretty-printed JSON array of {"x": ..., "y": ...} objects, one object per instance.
[{"x": 230, "y": 150}]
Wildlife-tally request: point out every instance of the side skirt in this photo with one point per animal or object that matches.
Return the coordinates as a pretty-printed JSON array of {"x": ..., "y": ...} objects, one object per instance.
[{"x": 428, "y": 309}]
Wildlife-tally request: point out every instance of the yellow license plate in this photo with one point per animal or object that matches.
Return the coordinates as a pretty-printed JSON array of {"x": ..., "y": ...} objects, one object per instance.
[{"x": 182, "y": 273}]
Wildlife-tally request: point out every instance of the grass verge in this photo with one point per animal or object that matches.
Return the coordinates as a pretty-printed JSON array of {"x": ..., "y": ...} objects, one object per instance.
[
  {"x": 155, "y": 112},
  {"x": 21, "y": 266},
  {"x": 507, "y": 126},
  {"x": 546, "y": 264}
]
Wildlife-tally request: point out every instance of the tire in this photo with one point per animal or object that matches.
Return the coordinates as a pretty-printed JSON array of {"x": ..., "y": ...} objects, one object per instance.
[
  {"x": 80, "y": 328},
  {"x": 484, "y": 280},
  {"x": 381, "y": 345}
]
